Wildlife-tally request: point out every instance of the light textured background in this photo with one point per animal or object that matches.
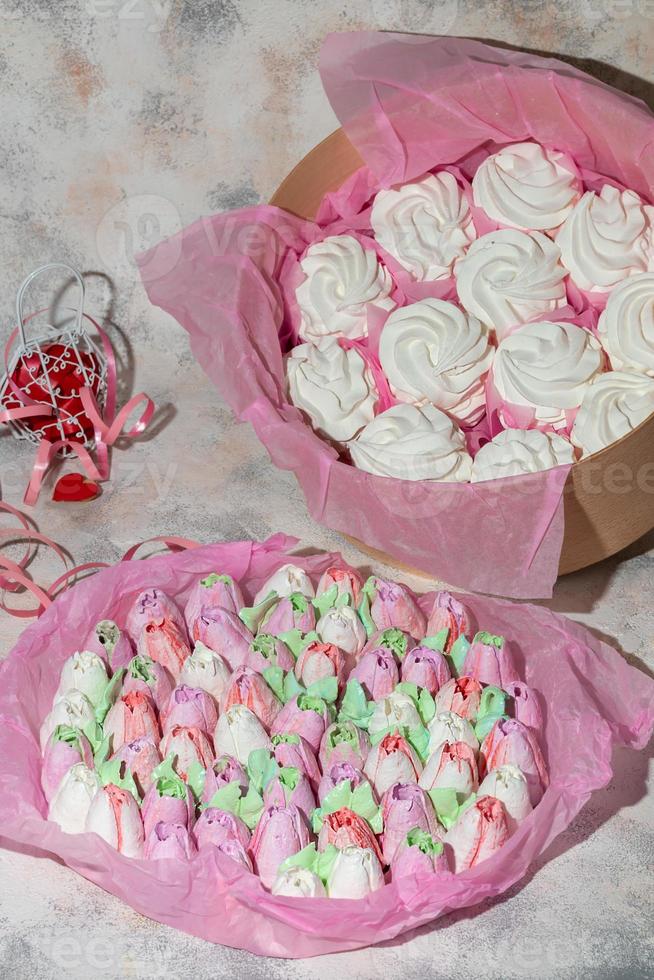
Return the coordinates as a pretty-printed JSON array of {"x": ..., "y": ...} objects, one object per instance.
[{"x": 122, "y": 121}]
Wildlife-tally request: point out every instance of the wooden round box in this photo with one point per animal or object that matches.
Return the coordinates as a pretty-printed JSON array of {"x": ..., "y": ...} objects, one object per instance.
[{"x": 609, "y": 497}]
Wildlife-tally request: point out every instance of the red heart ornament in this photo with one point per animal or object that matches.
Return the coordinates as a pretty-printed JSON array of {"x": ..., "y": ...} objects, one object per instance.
[
  {"x": 65, "y": 377},
  {"x": 75, "y": 488}
]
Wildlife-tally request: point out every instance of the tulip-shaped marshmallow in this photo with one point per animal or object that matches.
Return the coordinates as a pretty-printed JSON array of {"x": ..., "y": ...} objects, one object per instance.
[
  {"x": 462, "y": 695},
  {"x": 215, "y": 826},
  {"x": 169, "y": 842},
  {"x": 238, "y": 733},
  {"x": 298, "y": 883},
  {"x": 479, "y": 832},
  {"x": 344, "y": 742},
  {"x": 65, "y": 748},
  {"x": 404, "y": 807},
  {"x": 150, "y": 606},
  {"x": 85, "y": 672},
  {"x": 224, "y": 633},
  {"x": 286, "y": 580},
  {"x": 355, "y": 873},
  {"x": 395, "y": 605},
  {"x": 205, "y": 669},
  {"x": 377, "y": 672},
  {"x": 391, "y": 761},
  {"x": 111, "y": 643},
  {"x": 164, "y": 641},
  {"x": 266, "y": 651},
  {"x": 345, "y": 828},
  {"x": 115, "y": 816},
  {"x": 190, "y": 707},
  {"x": 450, "y": 614},
  {"x": 141, "y": 757},
  {"x": 212, "y": 591},
  {"x": 426, "y": 668},
  {"x": 508, "y": 784},
  {"x": 419, "y": 853},
  {"x": 70, "y": 804},
  {"x": 511, "y": 743},
  {"x": 151, "y": 679},
  {"x": 131, "y": 717},
  {"x": 306, "y": 715},
  {"x": 280, "y": 833},
  {"x": 248, "y": 687},
  {"x": 489, "y": 661}
]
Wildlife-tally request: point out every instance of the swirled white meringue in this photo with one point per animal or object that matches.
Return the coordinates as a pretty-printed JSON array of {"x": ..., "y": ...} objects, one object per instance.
[
  {"x": 509, "y": 277},
  {"x": 412, "y": 443},
  {"x": 343, "y": 281},
  {"x": 626, "y": 325},
  {"x": 605, "y": 238},
  {"x": 546, "y": 367},
  {"x": 426, "y": 225},
  {"x": 433, "y": 351},
  {"x": 333, "y": 386},
  {"x": 525, "y": 186},
  {"x": 516, "y": 451},
  {"x": 612, "y": 406}
]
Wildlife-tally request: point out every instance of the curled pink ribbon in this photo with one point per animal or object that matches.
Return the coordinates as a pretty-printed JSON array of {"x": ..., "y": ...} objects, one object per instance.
[{"x": 16, "y": 577}]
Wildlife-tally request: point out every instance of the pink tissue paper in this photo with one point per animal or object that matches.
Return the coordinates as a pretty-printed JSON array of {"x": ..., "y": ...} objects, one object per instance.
[
  {"x": 408, "y": 104},
  {"x": 591, "y": 698}
]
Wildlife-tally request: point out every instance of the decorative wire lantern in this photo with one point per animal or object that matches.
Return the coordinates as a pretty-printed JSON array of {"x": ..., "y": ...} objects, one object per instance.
[{"x": 50, "y": 369}]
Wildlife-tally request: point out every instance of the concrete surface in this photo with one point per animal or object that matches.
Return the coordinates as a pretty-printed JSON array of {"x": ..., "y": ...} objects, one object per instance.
[{"x": 123, "y": 120}]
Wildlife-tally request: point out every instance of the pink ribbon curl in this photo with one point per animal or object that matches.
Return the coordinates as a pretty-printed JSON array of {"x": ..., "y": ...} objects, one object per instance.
[{"x": 15, "y": 576}]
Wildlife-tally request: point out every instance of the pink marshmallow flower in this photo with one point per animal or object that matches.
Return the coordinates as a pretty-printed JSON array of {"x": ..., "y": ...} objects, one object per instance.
[
  {"x": 149, "y": 677},
  {"x": 186, "y": 746},
  {"x": 290, "y": 786},
  {"x": 319, "y": 660},
  {"x": 153, "y": 605},
  {"x": 168, "y": 799},
  {"x": 345, "y": 828},
  {"x": 234, "y": 850},
  {"x": 164, "y": 641},
  {"x": 509, "y": 742},
  {"x": 290, "y": 749},
  {"x": 343, "y": 742},
  {"x": 141, "y": 758},
  {"x": 479, "y": 832},
  {"x": 248, "y": 687},
  {"x": 215, "y": 826},
  {"x": 377, "y": 672},
  {"x": 462, "y": 695},
  {"x": 451, "y": 766},
  {"x": 339, "y": 773},
  {"x": 280, "y": 833},
  {"x": 489, "y": 661},
  {"x": 190, "y": 707},
  {"x": 169, "y": 842},
  {"x": 391, "y": 761},
  {"x": 293, "y": 612},
  {"x": 65, "y": 748},
  {"x": 341, "y": 582},
  {"x": 115, "y": 816},
  {"x": 417, "y": 854},
  {"x": 111, "y": 643},
  {"x": 450, "y": 614},
  {"x": 132, "y": 716},
  {"x": 224, "y": 633},
  {"x": 211, "y": 592},
  {"x": 306, "y": 715},
  {"x": 266, "y": 651},
  {"x": 426, "y": 668},
  {"x": 404, "y": 807},
  {"x": 394, "y": 605},
  {"x": 224, "y": 770},
  {"x": 526, "y": 706}
]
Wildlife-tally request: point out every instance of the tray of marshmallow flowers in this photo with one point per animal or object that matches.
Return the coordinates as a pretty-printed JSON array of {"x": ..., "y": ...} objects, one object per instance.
[
  {"x": 269, "y": 752},
  {"x": 465, "y": 328}
]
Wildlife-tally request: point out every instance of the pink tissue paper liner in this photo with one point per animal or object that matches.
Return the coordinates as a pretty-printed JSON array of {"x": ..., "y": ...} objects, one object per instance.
[
  {"x": 591, "y": 699},
  {"x": 408, "y": 104}
]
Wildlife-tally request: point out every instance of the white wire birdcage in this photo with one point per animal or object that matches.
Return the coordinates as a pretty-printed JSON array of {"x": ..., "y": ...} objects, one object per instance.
[{"x": 50, "y": 369}]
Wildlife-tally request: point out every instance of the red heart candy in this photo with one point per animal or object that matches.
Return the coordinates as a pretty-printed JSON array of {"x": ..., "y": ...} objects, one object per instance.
[{"x": 73, "y": 487}]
